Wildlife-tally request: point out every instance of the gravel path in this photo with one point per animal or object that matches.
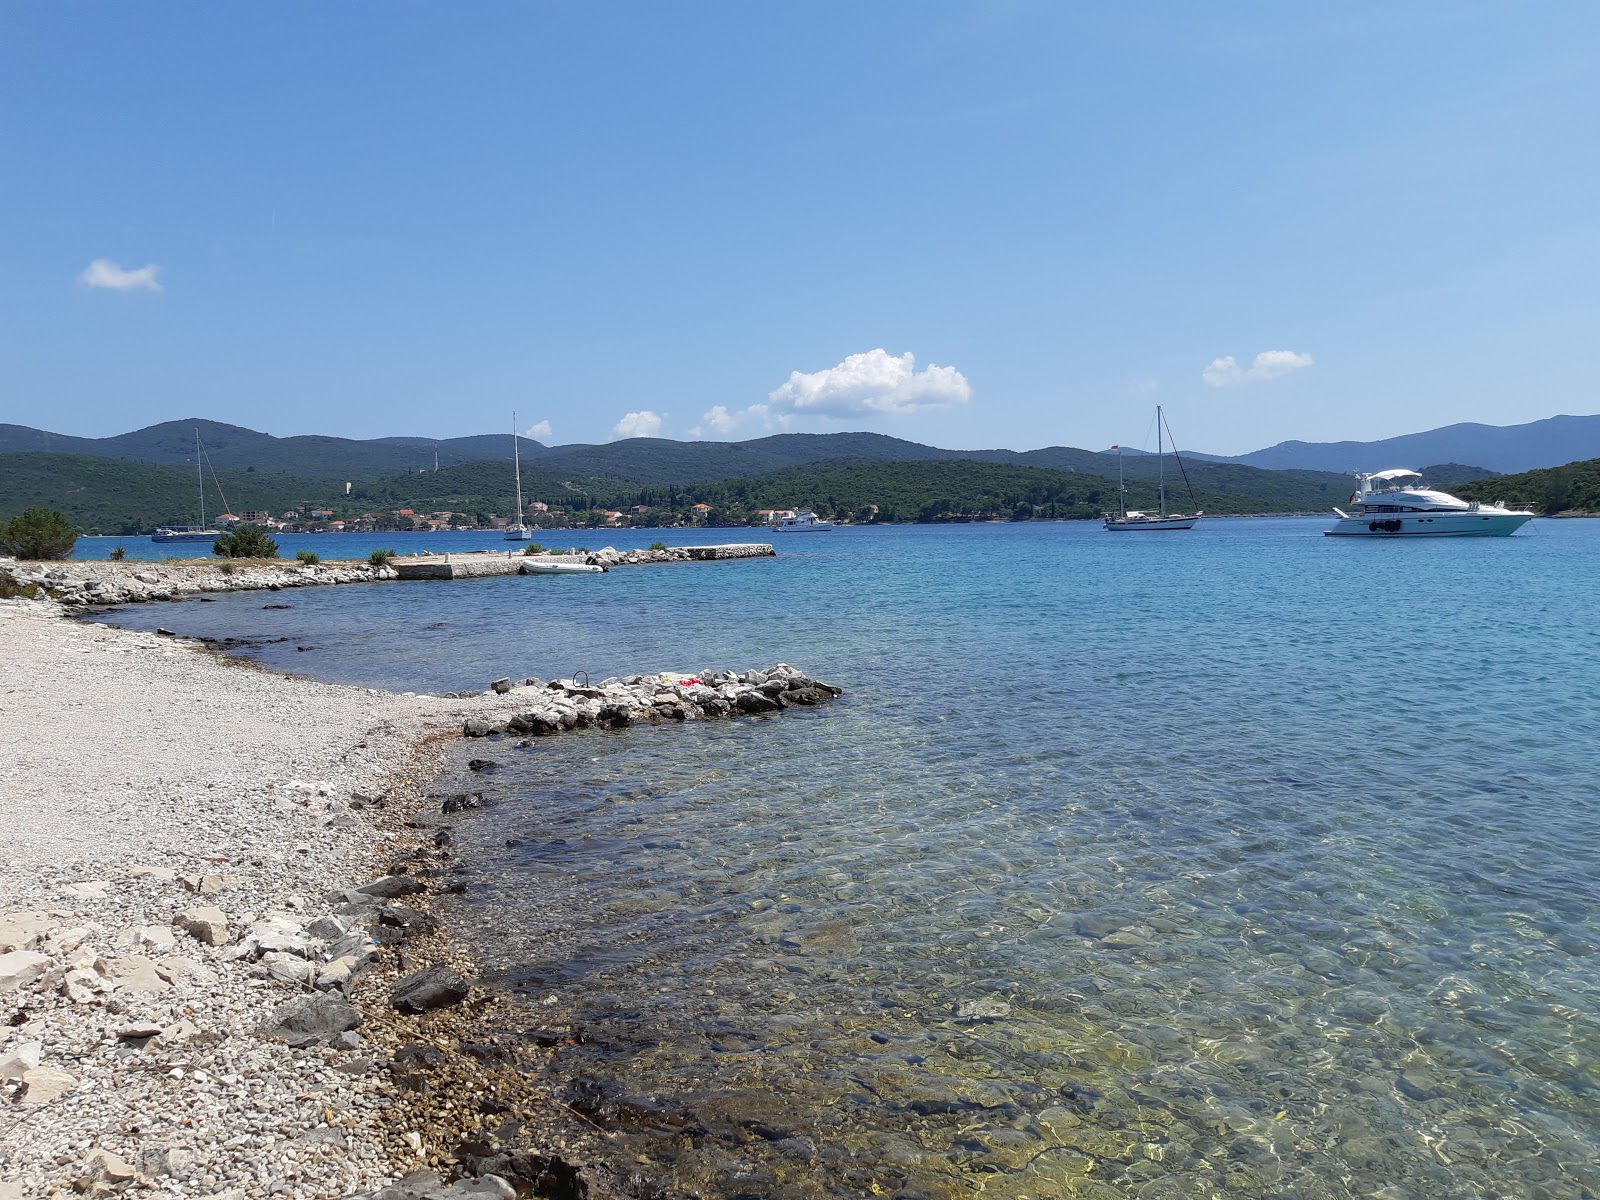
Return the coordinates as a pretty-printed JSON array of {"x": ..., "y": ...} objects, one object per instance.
[{"x": 129, "y": 1052}]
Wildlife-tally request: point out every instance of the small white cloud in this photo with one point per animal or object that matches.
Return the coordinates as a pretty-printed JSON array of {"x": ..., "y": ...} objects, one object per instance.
[
  {"x": 1269, "y": 364},
  {"x": 1145, "y": 386},
  {"x": 103, "y": 273},
  {"x": 874, "y": 383},
  {"x": 637, "y": 424},
  {"x": 539, "y": 432}
]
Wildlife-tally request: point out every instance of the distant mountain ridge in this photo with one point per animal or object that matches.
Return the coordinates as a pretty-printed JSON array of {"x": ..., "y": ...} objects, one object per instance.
[{"x": 1504, "y": 448}]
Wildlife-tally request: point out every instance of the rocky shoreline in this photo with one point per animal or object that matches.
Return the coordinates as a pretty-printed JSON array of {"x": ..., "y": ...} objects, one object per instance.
[
  {"x": 217, "y": 963},
  {"x": 84, "y": 584}
]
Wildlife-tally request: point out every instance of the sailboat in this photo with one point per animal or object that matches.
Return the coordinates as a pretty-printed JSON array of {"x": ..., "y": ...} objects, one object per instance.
[
  {"x": 518, "y": 532},
  {"x": 1125, "y": 519},
  {"x": 190, "y": 533}
]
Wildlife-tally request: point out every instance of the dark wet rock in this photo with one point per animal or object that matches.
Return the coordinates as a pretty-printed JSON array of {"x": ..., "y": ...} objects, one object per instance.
[
  {"x": 266, "y": 606},
  {"x": 756, "y": 702},
  {"x": 442, "y": 838},
  {"x": 491, "y": 1056},
  {"x": 500, "y": 686},
  {"x": 406, "y": 922},
  {"x": 162, "y": 631},
  {"x": 391, "y": 887},
  {"x": 537, "y": 723},
  {"x": 481, "y": 764},
  {"x": 477, "y": 727},
  {"x": 803, "y": 696},
  {"x": 1419, "y": 1084},
  {"x": 548, "y": 1037},
  {"x": 307, "y": 1020},
  {"x": 605, "y": 1104},
  {"x": 431, "y": 988},
  {"x": 303, "y": 649},
  {"x": 1097, "y": 925},
  {"x": 420, "y": 1054},
  {"x": 461, "y": 802}
]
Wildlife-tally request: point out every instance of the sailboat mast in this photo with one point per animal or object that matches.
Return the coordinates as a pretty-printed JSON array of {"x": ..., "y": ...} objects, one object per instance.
[
  {"x": 516, "y": 464},
  {"x": 1161, "y": 466},
  {"x": 200, "y": 477},
  {"x": 1122, "y": 489}
]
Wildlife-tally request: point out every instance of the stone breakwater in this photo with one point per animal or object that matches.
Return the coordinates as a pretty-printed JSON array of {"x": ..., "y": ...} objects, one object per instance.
[
  {"x": 77, "y": 584},
  {"x": 219, "y": 972},
  {"x": 564, "y": 704}
]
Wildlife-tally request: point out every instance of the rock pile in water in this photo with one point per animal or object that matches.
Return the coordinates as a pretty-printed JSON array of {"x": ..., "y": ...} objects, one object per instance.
[{"x": 564, "y": 704}]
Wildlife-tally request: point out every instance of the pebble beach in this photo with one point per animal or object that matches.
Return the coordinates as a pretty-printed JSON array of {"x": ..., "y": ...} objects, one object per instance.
[{"x": 168, "y": 814}]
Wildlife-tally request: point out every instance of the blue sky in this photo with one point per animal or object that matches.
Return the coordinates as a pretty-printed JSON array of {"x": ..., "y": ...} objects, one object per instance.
[{"x": 372, "y": 219}]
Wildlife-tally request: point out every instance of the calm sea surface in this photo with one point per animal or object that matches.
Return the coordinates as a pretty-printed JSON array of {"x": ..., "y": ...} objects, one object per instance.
[{"x": 1234, "y": 862}]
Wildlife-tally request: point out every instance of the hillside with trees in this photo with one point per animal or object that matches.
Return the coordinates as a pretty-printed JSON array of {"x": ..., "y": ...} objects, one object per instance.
[{"x": 1550, "y": 491}]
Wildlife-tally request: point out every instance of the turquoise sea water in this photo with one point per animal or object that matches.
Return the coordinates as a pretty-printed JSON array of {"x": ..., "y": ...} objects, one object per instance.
[{"x": 1234, "y": 862}]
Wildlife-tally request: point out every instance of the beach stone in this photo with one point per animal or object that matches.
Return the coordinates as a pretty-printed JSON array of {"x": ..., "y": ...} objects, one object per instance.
[
  {"x": 18, "y": 1061},
  {"x": 207, "y": 885},
  {"x": 102, "y": 1166},
  {"x": 328, "y": 929},
  {"x": 391, "y": 887},
  {"x": 166, "y": 1162},
  {"x": 337, "y": 974},
  {"x": 11, "y": 1189},
  {"x": 208, "y": 925},
  {"x": 91, "y": 889},
  {"x": 1418, "y": 1084},
  {"x": 753, "y": 701},
  {"x": 163, "y": 874},
  {"x": 132, "y": 973},
  {"x": 179, "y": 1033},
  {"x": 431, "y": 988},
  {"x": 45, "y": 1084},
  {"x": 987, "y": 1009},
  {"x": 307, "y": 1020},
  {"x": 21, "y": 967},
  {"x": 477, "y": 727},
  {"x": 180, "y": 970},
  {"x": 155, "y": 937},
  {"x": 289, "y": 968},
  {"x": 500, "y": 686},
  {"x": 22, "y": 931},
  {"x": 138, "y": 1031}
]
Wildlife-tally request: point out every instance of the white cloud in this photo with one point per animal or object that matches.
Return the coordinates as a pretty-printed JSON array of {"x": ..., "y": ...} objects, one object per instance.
[
  {"x": 1269, "y": 364},
  {"x": 103, "y": 273},
  {"x": 1145, "y": 386},
  {"x": 637, "y": 424},
  {"x": 874, "y": 383},
  {"x": 539, "y": 432}
]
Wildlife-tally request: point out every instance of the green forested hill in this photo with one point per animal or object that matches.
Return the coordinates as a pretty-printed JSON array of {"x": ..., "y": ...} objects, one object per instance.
[
  {"x": 1550, "y": 490},
  {"x": 110, "y": 495}
]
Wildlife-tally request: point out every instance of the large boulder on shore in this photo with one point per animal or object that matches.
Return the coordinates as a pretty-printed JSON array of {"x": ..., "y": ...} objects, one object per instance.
[
  {"x": 307, "y": 1020},
  {"x": 431, "y": 988}
]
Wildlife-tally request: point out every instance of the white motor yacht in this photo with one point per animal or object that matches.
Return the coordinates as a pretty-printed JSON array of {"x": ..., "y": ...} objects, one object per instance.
[
  {"x": 801, "y": 522},
  {"x": 1399, "y": 502}
]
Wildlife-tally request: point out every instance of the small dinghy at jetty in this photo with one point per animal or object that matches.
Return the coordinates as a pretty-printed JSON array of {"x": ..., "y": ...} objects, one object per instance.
[{"x": 555, "y": 568}]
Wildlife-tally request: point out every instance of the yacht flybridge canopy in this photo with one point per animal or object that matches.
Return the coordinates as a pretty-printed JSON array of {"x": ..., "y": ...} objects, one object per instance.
[{"x": 1396, "y": 473}]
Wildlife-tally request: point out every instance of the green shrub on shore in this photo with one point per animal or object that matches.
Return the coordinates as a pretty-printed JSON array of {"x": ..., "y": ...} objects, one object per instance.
[
  {"x": 658, "y": 545},
  {"x": 38, "y": 533},
  {"x": 245, "y": 541},
  {"x": 118, "y": 553},
  {"x": 380, "y": 558},
  {"x": 533, "y": 548},
  {"x": 306, "y": 556},
  {"x": 227, "y": 568}
]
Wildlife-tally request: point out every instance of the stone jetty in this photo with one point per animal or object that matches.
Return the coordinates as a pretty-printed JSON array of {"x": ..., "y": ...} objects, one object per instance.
[
  {"x": 564, "y": 704},
  {"x": 81, "y": 584},
  {"x": 476, "y": 566}
]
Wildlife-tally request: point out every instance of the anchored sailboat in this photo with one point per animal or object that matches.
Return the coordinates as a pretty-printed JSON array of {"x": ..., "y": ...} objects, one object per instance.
[
  {"x": 1125, "y": 519},
  {"x": 518, "y": 532},
  {"x": 190, "y": 533}
]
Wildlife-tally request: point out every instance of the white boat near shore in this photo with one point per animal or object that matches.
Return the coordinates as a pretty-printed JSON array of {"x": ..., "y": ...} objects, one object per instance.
[
  {"x": 803, "y": 521},
  {"x": 518, "y": 532},
  {"x": 190, "y": 533},
  {"x": 1399, "y": 503},
  {"x": 552, "y": 568}
]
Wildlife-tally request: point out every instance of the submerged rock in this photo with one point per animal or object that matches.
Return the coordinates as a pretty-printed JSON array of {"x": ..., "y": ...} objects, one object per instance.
[{"x": 431, "y": 988}]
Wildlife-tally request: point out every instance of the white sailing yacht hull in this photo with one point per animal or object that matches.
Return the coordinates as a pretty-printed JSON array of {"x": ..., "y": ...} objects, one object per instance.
[
  {"x": 179, "y": 535},
  {"x": 1435, "y": 524},
  {"x": 1122, "y": 524},
  {"x": 519, "y": 535}
]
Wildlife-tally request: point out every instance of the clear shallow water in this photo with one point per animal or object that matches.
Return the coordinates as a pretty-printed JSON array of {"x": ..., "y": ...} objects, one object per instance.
[{"x": 1272, "y": 857}]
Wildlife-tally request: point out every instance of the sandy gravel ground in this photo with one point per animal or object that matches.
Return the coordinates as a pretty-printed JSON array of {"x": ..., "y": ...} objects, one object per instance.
[{"x": 129, "y": 761}]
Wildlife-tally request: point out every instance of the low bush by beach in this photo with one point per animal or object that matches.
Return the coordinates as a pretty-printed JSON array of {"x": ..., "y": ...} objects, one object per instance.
[{"x": 38, "y": 533}]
